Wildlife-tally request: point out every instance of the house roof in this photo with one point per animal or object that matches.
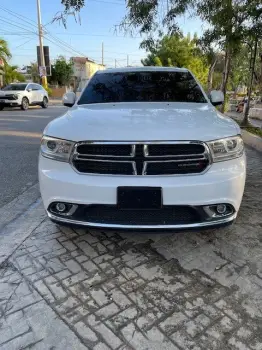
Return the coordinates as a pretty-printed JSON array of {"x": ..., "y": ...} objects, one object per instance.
[{"x": 81, "y": 60}]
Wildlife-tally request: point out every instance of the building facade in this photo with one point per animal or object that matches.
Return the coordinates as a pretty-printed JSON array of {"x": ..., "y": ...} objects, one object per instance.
[{"x": 83, "y": 69}]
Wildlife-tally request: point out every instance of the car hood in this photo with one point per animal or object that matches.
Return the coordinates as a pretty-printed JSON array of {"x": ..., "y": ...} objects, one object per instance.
[
  {"x": 10, "y": 92},
  {"x": 142, "y": 122}
]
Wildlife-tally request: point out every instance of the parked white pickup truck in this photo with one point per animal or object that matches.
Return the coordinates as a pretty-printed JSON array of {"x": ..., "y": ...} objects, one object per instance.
[{"x": 142, "y": 148}]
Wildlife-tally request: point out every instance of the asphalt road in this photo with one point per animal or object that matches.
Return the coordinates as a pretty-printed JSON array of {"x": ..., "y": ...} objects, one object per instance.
[{"x": 20, "y": 134}]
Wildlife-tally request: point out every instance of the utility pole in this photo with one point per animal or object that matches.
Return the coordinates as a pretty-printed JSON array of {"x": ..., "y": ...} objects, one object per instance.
[
  {"x": 40, "y": 33},
  {"x": 115, "y": 63},
  {"x": 102, "y": 53},
  {"x": 127, "y": 60}
]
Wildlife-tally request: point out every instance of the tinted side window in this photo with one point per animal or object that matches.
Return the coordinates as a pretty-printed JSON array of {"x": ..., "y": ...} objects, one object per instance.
[
  {"x": 147, "y": 86},
  {"x": 35, "y": 87},
  {"x": 30, "y": 86}
]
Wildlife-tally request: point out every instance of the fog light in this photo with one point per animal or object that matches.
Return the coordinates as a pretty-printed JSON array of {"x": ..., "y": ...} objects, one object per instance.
[
  {"x": 221, "y": 208},
  {"x": 61, "y": 207},
  {"x": 64, "y": 209}
]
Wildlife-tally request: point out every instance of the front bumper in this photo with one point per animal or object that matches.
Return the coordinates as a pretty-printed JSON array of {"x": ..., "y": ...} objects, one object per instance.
[
  {"x": 223, "y": 183},
  {"x": 11, "y": 103}
]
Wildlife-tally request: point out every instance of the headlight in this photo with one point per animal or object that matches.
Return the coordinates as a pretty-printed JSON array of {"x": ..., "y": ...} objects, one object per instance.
[
  {"x": 225, "y": 149},
  {"x": 56, "y": 149}
]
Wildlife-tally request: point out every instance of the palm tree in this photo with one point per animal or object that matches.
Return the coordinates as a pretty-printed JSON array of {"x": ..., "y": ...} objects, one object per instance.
[
  {"x": 34, "y": 72},
  {"x": 11, "y": 74},
  {"x": 5, "y": 54}
]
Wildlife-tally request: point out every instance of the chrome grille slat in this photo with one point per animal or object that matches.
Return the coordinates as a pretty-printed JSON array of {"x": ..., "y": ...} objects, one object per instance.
[
  {"x": 143, "y": 163},
  {"x": 103, "y": 160},
  {"x": 148, "y": 160},
  {"x": 172, "y": 156},
  {"x": 175, "y": 160}
]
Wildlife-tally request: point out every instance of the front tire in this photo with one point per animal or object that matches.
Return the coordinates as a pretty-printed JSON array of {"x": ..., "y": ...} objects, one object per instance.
[
  {"x": 25, "y": 104},
  {"x": 45, "y": 102},
  {"x": 2, "y": 107}
]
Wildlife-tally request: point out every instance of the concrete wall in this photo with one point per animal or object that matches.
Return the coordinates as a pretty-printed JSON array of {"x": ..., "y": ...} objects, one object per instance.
[
  {"x": 93, "y": 67},
  {"x": 58, "y": 92},
  {"x": 256, "y": 113}
]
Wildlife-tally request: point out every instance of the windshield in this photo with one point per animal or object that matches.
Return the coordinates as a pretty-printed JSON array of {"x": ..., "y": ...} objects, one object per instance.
[
  {"x": 15, "y": 87},
  {"x": 142, "y": 87}
]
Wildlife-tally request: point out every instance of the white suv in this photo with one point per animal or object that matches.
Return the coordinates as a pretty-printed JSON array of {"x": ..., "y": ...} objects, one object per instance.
[
  {"x": 143, "y": 148},
  {"x": 23, "y": 95}
]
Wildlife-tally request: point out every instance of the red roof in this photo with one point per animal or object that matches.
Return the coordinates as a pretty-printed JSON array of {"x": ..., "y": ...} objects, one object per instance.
[{"x": 81, "y": 60}]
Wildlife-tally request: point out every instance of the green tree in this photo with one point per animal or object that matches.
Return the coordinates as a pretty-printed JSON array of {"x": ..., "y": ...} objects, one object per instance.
[
  {"x": 61, "y": 71},
  {"x": 5, "y": 53},
  {"x": 229, "y": 22},
  {"x": 11, "y": 74},
  {"x": 34, "y": 72},
  {"x": 178, "y": 51},
  {"x": 240, "y": 66}
]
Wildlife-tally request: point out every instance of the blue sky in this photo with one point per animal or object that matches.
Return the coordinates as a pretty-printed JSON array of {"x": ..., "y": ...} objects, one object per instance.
[{"x": 98, "y": 20}]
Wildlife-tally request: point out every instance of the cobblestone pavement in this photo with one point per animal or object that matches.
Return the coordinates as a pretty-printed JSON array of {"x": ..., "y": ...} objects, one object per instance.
[{"x": 91, "y": 289}]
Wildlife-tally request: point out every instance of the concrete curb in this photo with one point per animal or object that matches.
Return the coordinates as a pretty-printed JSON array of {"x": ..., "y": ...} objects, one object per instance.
[
  {"x": 55, "y": 102},
  {"x": 18, "y": 219},
  {"x": 252, "y": 140}
]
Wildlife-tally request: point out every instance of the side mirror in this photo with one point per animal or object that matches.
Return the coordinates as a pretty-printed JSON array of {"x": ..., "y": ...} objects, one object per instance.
[
  {"x": 29, "y": 90},
  {"x": 216, "y": 97},
  {"x": 69, "y": 99}
]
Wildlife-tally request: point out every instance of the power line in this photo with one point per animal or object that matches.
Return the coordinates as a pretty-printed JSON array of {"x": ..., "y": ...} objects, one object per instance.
[
  {"x": 15, "y": 25},
  {"x": 17, "y": 15},
  {"x": 23, "y": 43},
  {"x": 109, "y": 2},
  {"x": 103, "y": 35},
  {"x": 14, "y": 33},
  {"x": 123, "y": 53},
  {"x": 66, "y": 45},
  {"x": 64, "y": 48},
  {"x": 54, "y": 39}
]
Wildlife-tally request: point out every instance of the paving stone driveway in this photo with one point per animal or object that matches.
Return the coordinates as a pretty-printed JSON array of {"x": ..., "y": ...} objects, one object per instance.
[{"x": 90, "y": 289}]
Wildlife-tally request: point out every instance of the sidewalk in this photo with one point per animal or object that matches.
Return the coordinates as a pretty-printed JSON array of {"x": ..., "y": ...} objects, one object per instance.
[
  {"x": 239, "y": 116},
  {"x": 104, "y": 290}
]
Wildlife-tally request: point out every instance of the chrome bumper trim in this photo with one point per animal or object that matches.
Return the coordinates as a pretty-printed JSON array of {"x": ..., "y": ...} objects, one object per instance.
[{"x": 143, "y": 227}]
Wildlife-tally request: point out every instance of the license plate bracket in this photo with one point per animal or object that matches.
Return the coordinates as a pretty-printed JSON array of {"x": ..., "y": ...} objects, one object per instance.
[{"x": 132, "y": 198}]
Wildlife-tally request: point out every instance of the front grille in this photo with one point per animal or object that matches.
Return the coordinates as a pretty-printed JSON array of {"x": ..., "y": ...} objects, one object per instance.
[
  {"x": 170, "y": 158},
  {"x": 104, "y": 150},
  {"x": 9, "y": 97},
  {"x": 110, "y": 214},
  {"x": 169, "y": 168},
  {"x": 104, "y": 167},
  {"x": 175, "y": 150}
]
